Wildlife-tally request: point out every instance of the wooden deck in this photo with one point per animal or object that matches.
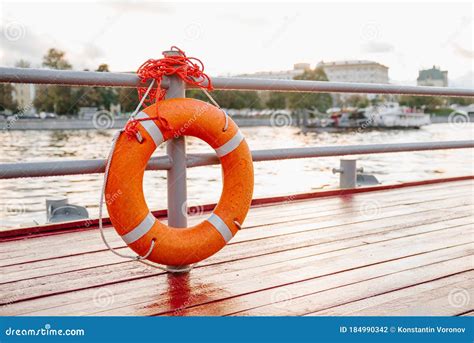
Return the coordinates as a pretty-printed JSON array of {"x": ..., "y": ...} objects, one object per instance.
[{"x": 403, "y": 251}]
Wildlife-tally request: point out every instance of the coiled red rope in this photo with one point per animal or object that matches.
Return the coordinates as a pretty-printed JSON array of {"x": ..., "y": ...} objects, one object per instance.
[{"x": 188, "y": 69}]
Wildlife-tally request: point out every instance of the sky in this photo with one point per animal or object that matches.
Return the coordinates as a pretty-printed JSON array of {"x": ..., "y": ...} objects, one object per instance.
[{"x": 245, "y": 37}]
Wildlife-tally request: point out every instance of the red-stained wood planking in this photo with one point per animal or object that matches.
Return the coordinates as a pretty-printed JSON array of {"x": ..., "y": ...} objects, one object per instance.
[
  {"x": 364, "y": 289},
  {"x": 436, "y": 301},
  {"x": 314, "y": 247},
  {"x": 301, "y": 247},
  {"x": 283, "y": 206},
  {"x": 164, "y": 293},
  {"x": 397, "y": 218},
  {"x": 357, "y": 231},
  {"x": 351, "y": 209},
  {"x": 286, "y": 292},
  {"x": 93, "y": 223},
  {"x": 353, "y": 307},
  {"x": 282, "y": 209}
]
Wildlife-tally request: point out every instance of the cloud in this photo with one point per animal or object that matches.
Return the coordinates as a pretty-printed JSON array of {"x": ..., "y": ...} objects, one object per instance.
[
  {"x": 86, "y": 56},
  {"x": 464, "y": 81},
  {"x": 463, "y": 52},
  {"x": 18, "y": 42},
  {"x": 461, "y": 37},
  {"x": 377, "y": 47},
  {"x": 247, "y": 20},
  {"x": 92, "y": 51},
  {"x": 150, "y": 7}
]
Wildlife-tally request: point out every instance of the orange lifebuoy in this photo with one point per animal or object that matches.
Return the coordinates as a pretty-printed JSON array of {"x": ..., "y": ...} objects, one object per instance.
[{"x": 126, "y": 204}]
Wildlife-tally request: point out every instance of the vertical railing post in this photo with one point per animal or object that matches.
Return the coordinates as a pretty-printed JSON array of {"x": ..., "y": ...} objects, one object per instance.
[
  {"x": 347, "y": 173},
  {"x": 176, "y": 150}
]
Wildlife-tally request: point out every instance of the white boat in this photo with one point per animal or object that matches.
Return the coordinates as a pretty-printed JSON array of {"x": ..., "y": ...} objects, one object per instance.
[
  {"x": 389, "y": 115},
  {"x": 392, "y": 115}
]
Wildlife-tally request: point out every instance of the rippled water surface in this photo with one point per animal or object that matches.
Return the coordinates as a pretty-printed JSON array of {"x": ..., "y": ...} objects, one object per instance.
[{"x": 22, "y": 201}]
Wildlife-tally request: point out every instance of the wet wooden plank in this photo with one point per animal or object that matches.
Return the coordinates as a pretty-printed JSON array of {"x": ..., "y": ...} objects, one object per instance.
[
  {"x": 446, "y": 300},
  {"x": 352, "y": 308},
  {"x": 280, "y": 300},
  {"x": 359, "y": 232},
  {"x": 85, "y": 225},
  {"x": 297, "y": 245},
  {"x": 360, "y": 290},
  {"x": 165, "y": 293},
  {"x": 356, "y": 210},
  {"x": 346, "y": 202},
  {"x": 312, "y": 247}
]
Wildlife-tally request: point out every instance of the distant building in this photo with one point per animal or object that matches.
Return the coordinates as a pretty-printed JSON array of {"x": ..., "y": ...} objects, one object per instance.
[
  {"x": 298, "y": 69},
  {"x": 433, "y": 77},
  {"x": 24, "y": 94},
  {"x": 355, "y": 71}
]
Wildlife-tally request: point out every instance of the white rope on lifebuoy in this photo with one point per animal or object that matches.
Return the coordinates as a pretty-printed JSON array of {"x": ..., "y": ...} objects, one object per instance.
[
  {"x": 101, "y": 206},
  {"x": 226, "y": 124},
  {"x": 101, "y": 200}
]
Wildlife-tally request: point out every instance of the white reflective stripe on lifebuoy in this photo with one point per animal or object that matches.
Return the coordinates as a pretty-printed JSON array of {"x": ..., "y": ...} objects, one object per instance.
[
  {"x": 140, "y": 230},
  {"x": 231, "y": 145},
  {"x": 220, "y": 226},
  {"x": 150, "y": 127}
]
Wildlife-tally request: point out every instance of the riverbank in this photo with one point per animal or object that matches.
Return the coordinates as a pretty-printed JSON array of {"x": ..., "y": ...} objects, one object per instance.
[
  {"x": 100, "y": 124},
  {"x": 117, "y": 123}
]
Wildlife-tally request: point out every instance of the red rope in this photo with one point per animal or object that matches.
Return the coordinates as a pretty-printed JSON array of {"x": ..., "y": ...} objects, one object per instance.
[{"x": 188, "y": 69}]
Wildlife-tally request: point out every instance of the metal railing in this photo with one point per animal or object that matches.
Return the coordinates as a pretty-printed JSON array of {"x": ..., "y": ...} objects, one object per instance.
[
  {"x": 177, "y": 161},
  {"x": 88, "y": 78},
  {"x": 79, "y": 167}
]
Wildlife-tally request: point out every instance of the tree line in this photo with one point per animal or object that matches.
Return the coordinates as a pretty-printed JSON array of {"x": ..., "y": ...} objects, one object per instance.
[
  {"x": 68, "y": 100},
  {"x": 273, "y": 100}
]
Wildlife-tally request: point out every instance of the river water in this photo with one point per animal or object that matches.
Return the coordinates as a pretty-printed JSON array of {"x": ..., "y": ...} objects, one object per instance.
[{"x": 22, "y": 201}]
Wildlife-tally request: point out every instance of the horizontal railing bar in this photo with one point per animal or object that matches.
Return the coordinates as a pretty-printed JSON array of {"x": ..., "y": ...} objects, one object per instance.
[
  {"x": 330, "y": 151},
  {"x": 88, "y": 78},
  {"x": 58, "y": 168},
  {"x": 334, "y": 87},
  {"x": 76, "y": 167},
  {"x": 70, "y": 77}
]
